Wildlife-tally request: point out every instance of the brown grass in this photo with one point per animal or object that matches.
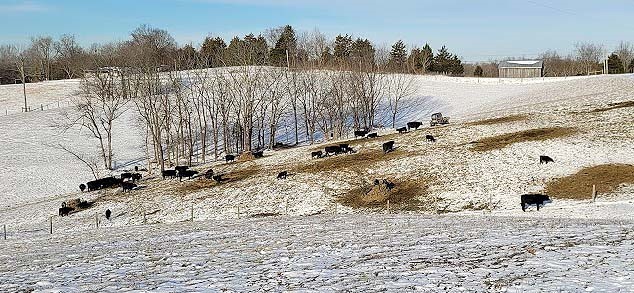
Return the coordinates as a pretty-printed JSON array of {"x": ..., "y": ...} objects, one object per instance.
[
  {"x": 501, "y": 141},
  {"x": 229, "y": 177},
  {"x": 607, "y": 178},
  {"x": 357, "y": 161},
  {"x": 403, "y": 196},
  {"x": 613, "y": 106},
  {"x": 500, "y": 120}
]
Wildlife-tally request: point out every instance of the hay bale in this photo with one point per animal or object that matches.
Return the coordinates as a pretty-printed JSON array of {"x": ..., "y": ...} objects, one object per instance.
[
  {"x": 378, "y": 194},
  {"x": 246, "y": 156}
]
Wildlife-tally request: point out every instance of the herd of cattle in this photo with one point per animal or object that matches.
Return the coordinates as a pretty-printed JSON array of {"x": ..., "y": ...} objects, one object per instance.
[{"x": 127, "y": 180}]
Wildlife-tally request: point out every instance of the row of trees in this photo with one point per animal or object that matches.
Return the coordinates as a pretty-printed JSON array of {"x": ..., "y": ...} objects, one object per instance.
[
  {"x": 586, "y": 58},
  {"x": 202, "y": 113},
  {"x": 46, "y": 58}
]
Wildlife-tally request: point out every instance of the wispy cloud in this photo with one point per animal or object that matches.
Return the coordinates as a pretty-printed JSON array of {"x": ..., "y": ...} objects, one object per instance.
[{"x": 22, "y": 7}]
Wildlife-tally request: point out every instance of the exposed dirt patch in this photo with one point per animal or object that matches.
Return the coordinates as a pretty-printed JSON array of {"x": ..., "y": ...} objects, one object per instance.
[
  {"x": 404, "y": 196},
  {"x": 607, "y": 178},
  {"x": 357, "y": 161},
  {"x": 501, "y": 141},
  {"x": 500, "y": 120},
  {"x": 228, "y": 177},
  {"x": 613, "y": 106}
]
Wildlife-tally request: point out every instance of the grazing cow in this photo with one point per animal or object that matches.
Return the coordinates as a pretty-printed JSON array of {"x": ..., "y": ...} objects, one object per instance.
[
  {"x": 187, "y": 173},
  {"x": 126, "y": 175},
  {"x": 218, "y": 178},
  {"x": 377, "y": 182},
  {"x": 316, "y": 154},
  {"x": 181, "y": 168},
  {"x": 136, "y": 168},
  {"x": 258, "y": 154},
  {"x": 230, "y": 158},
  {"x": 402, "y": 130},
  {"x": 430, "y": 138},
  {"x": 282, "y": 175},
  {"x": 344, "y": 147},
  {"x": 388, "y": 146},
  {"x": 109, "y": 182},
  {"x": 127, "y": 186},
  {"x": 92, "y": 185},
  {"x": 389, "y": 185},
  {"x": 168, "y": 174},
  {"x": 372, "y": 135},
  {"x": 333, "y": 149},
  {"x": 82, "y": 187},
  {"x": 108, "y": 214},
  {"x": 209, "y": 174},
  {"x": 545, "y": 160},
  {"x": 136, "y": 177},
  {"x": 360, "y": 133},
  {"x": 64, "y": 210},
  {"x": 413, "y": 125},
  {"x": 534, "y": 199}
]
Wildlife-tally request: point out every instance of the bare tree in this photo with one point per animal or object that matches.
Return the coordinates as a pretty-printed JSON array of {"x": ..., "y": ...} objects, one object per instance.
[
  {"x": 70, "y": 56},
  {"x": 589, "y": 55},
  {"x": 43, "y": 52},
  {"x": 626, "y": 54},
  {"x": 399, "y": 87}
]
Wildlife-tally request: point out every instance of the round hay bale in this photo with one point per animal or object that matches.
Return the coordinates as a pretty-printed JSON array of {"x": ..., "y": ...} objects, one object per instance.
[
  {"x": 246, "y": 156},
  {"x": 378, "y": 194}
]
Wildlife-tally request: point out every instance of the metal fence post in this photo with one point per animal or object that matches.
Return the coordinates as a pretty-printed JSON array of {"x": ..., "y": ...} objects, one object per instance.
[
  {"x": 51, "y": 224},
  {"x": 4, "y": 227}
]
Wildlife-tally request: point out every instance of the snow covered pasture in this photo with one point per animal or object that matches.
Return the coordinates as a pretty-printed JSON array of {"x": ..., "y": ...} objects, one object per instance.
[{"x": 328, "y": 253}]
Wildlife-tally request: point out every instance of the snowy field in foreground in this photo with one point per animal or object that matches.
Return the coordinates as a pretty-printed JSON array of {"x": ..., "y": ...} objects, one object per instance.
[{"x": 330, "y": 254}]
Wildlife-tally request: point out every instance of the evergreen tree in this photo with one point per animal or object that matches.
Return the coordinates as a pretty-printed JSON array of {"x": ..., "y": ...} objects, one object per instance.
[
  {"x": 456, "y": 67},
  {"x": 256, "y": 49},
  {"x": 478, "y": 71},
  {"x": 287, "y": 42},
  {"x": 420, "y": 60},
  {"x": 398, "y": 55},
  {"x": 235, "y": 52},
  {"x": 343, "y": 46},
  {"x": 362, "y": 51},
  {"x": 615, "y": 66},
  {"x": 447, "y": 63},
  {"x": 213, "y": 50},
  {"x": 326, "y": 56}
]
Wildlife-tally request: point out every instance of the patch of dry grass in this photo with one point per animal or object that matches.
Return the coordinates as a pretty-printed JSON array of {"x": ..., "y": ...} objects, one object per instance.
[
  {"x": 402, "y": 197},
  {"x": 606, "y": 177},
  {"x": 613, "y": 106},
  {"x": 357, "y": 161},
  {"x": 500, "y": 120},
  {"x": 501, "y": 141}
]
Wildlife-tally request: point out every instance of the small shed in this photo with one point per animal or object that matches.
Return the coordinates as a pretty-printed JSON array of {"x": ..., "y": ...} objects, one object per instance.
[{"x": 521, "y": 68}]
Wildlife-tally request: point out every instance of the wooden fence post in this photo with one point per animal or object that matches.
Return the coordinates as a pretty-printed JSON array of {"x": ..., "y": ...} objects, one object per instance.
[
  {"x": 191, "y": 215},
  {"x": 4, "y": 227},
  {"x": 144, "y": 217},
  {"x": 96, "y": 221},
  {"x": 238, "y": 212},
  {"x": 388, "y": 206},
  {"x": 51, "y": 224},
  {"x": 594, "y": 193}
]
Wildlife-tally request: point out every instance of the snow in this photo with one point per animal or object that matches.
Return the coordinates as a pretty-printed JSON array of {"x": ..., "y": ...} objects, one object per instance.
[
  {"x": 568, "y": 246},
  {"x": 330, "y": 253}
]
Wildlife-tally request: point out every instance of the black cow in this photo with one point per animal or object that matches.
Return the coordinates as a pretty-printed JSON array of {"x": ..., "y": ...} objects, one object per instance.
[
  {"x": 218, "y": 178},
  {"x": 430, "y": 137},
  {"x": 534, "y": 199},
  {"x": 108, "y": 214},
  {"x": 372, "y": 135},
  {"x": 136, "y": 177},
  {"x": 344, "y": 147},
  {"x": 168, "y": 174},
  {"x": 181, "y": 168},
  {"x": 136, "y": 168},
  {"x": 402, "y": 130},
  {"x": 64, "y": 210},
  {"x": 413, "y": 125},
  {"x": 126, "y": 175},
  {"x": 360, "y": 133},
  {"x": 230, "y": 158},
  {"x": 333, "y": 149},
  {"x": 82, "y": 187},
  {"x": 209, "y": 174},
  {"x": 316, "y": 154},
  {"x": 389, "y": 185},
  {"x": 282, "y": 175},
  {"x": 92, "y": 185},
  {"x": 127, "y": 186},
  {"x": 109, "y": 182},
  {"x": 388, "y": 146},
  {"x": 545, "y": 160},
  {"x": 187, "y": 173},
  {"x": 258, "y": 154}
]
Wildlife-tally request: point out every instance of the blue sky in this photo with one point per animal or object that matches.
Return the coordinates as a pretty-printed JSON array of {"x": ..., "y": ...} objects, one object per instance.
[{"x": 476, "y": 30}]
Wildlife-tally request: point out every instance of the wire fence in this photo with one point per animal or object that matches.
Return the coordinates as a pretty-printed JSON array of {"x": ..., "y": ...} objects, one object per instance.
[
  {"x": 35, "y": 107},
  {"x": 74, "y": 223}
]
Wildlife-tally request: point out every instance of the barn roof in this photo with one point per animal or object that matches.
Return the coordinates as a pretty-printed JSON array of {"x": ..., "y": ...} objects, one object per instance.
[{"x": 521, "y": 64}]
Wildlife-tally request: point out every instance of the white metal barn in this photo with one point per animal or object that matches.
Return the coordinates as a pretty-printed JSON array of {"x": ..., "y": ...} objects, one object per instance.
[{"x": 521, "y": 68}]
